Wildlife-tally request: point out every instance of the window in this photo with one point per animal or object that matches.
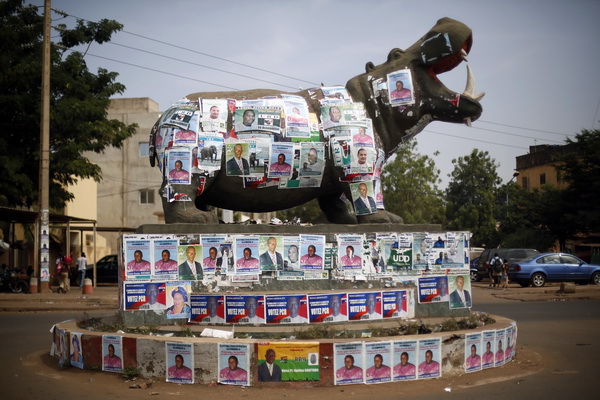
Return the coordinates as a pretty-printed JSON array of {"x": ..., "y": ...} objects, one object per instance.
[
  {"x": 542, "y": 179},
  {"x": 147, "y": 196},
  {"x": 525, "y": 182},
  {"x": 144, "y": 149}
]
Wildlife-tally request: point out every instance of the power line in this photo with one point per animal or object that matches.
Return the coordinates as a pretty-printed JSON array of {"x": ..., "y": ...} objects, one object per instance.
[
  {"x": 480, "y": 141},
  {"x": 514, "y": 134},
  {"x": 520, "y": 127}
]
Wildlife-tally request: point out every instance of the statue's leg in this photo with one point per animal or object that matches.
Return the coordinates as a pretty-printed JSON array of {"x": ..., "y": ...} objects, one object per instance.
[
  {"x": 187, "y": 211},
  {"x": 380, "y": 217},
  {"x": 335, "y": 210}
]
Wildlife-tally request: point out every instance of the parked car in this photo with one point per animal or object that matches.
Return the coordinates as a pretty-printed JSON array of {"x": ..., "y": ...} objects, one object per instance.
[
  {"x": 506, "y": 254},
  {"x": 107, "y": 270},
  {"x": 555, "y": 267}
]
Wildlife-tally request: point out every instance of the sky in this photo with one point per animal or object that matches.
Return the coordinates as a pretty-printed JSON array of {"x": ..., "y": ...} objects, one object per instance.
[{"x": 537, "y": 60}]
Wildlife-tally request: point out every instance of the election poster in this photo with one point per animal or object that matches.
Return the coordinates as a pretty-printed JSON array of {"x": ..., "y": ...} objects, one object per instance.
[
  {"x": 246, "y": 251},
  {"x": 208, "y": 309},
  {"x": 237, "y": 155},
  {"x": 245, "y": 309},
  {"x": 208, "y": 154},
  {"x": 112, "y": 353},
  {"x": 271, "y": 258},
  {"x": 76, "y": 350},
  {"x": 378, "y": 358},
  {"x": 350, "y": 253},
  {"x": 401, "y": 88},
  {"x": 179, "y": 115},
  {"x": 460, "y": 291},
  {"x": 281, "y": 160},
  {"x": 395, "y": 304},
  {"x": 430, "y": 356},
  {"x": 210, "y": 253},
  {"x": 455, "y": 256},
  {"x": 362, "y": 198},
  {"x": 291, "y": 253},
  {"x": 214, "y": 115},
  {"x": 348, "y": 363},
  {"x": 188, "y": 258},
  {"x": 473, "y": 352},
  {"x": 422, "y": 251},
  {"x": 510, "y": 344},
  {"x": 234, "y": 364},
  {"x": 145, "y": 296},
  {"x": 405, "y": 360},
  {"x": 364, "y": 306},
  {"x": 398, "y": 258},
  {"x": 288, "y": 361},
  {"x": 500, "y": 343},
  {"x": 488, "y": 357},
  {"x": 327, "y": 308},
  {"x": 178, "y": 299},
  {"x": 312, "y": 248},
  {"x": 138, "y": 259},
  {"x": 165, "y": 258},
  {"x": 180, "y": 362},
  {"x": 312, "y": 159},
  {"x": 179, "y": 166},
  {"x": 287, "y": 309},
  {"x": 433, "y": 289},
  {"x": 296, "y": 117}
]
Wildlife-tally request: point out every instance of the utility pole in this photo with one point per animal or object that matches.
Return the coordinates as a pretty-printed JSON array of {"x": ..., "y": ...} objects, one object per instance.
[{"x": 44, "y": 181}]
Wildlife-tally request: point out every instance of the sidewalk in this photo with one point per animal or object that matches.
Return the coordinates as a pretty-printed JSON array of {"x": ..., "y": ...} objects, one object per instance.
[{"x": 102, "y": 298}]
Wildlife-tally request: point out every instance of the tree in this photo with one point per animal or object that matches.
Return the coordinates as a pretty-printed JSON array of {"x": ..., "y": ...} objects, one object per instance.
[
  {"x": 307, "y": 212},
  {"x": 471, "y": 197},
  {"x": 78, "y": 105},
  {"x": 410, "y": 187}
]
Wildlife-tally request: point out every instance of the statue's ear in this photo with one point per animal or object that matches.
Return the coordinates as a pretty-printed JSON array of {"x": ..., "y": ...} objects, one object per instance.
[{"x": 369, "y": 66}]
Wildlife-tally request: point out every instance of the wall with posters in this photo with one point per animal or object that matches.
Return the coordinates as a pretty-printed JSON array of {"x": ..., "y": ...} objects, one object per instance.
[
  {"x": 169, "y": 277},
  {"x": 248, "y": 362}
]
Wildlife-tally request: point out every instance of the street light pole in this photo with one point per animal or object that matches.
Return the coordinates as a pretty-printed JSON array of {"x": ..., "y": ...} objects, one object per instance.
[{"x": 509, "y": 182}]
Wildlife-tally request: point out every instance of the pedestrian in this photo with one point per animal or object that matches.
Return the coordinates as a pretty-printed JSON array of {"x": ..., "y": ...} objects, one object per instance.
[
  {"x": 62, "y": 269},
  {"x": 504, "y": 278},
  {"x": 81, "y": 267},
  {"x": 496, "y": 266}
]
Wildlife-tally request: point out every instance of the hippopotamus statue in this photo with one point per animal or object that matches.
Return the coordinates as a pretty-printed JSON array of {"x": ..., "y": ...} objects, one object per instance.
[{"x": 444, "y": 47}]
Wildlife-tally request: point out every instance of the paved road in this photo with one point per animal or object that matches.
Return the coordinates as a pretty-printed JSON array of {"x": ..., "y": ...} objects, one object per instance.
[{"x": 565, "y": 334}]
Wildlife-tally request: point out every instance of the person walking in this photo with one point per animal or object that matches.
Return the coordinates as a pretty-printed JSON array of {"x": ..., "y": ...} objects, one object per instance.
[
  {"x": 62, "y": 269},
  {"x": 81, "y": 268}
]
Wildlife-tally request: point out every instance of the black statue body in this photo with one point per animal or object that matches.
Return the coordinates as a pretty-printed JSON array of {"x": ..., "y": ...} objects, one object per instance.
[{"x": 443, "y": 48}]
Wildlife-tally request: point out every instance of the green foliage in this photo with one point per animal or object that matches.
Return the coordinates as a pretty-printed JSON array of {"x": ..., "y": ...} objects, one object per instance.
[
  {"x": 307, "y": 212},
  {"x": 78, "y": 103},
  {"x": 471, "y": 197},
  {"x": 410, "y": 187},
  {"x": 130, "y": 372}
]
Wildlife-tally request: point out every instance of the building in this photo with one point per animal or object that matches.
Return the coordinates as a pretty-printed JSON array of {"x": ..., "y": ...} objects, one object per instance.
[{"x": 537, "y": 168}]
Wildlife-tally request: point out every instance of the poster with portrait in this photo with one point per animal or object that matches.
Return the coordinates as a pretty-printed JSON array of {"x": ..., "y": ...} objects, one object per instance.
[
  {"x": 364, "y": 306},
  {"x": 178, "y": 299},
  {"x": 245, "y": 309},
  {"x": 401, "y": 88},
  {"x": 312, "y": 159},
  {"x": 328, "y": 307},
  {"x": 188, "y": 260},
  {"x": 378, "y": 358},
  {"x": 455, "y": 255},
  {"x": 396, "y": 304},
  {"x": 180, "y": 362},
  {"x": 210, "y": 253},
  {"x": 281, "y": 160},
  {"x": 246, "y": 253},
  {"x": 138, "y": 258},
  {"x": 473, "y": 352},
  {"x": 208, "y": 309},
  {"x": 430, "y": 356},
  {"x": 144, "y": 296},
  {"x": 179, "y": 165},
  {"x": 291, "y": 253},
  {"x": 460, "y": 291},
  {"x": 180, "y": 115},
  {"x": 296, "y": 117},
  {"x": 214, "y": 115},
  {"x": 363, "y": 136},
  {"x": 291, "y": 361},
  {"x": 112, "y": 353},
  {"x": 433, "y": 289},
  {"x": 234, "y": 364},
  {"x": 362, "y": 198},
  {"x": 500, "y": 345},
  {"x": 44, "y": 274},
  {"x": 312, "y": 251},
  {"x": 350, "y": 253},
  {"x": 76, "y": 350},
  {"x": 165, "y": 258},
  {"x": 405, "y": 360},
  {"x": 422, "y": 252},
  {"x": 237, "y": 155},
  {"x": 185, "y": 138},
  {"x": 287, "y": 309},
  {"x": 489, "y": 343},
  {"x": 348, "y": 363},
  {"x": 510, "y": 346},
  {"x": 270, "y": 250},
  {"x": 210, "y": 150},
  {"x": 362, "y": 160}
]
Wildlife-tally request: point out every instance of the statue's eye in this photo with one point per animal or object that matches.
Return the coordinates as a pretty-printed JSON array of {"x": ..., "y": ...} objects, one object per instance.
[{"x": 395, "y": 54}]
